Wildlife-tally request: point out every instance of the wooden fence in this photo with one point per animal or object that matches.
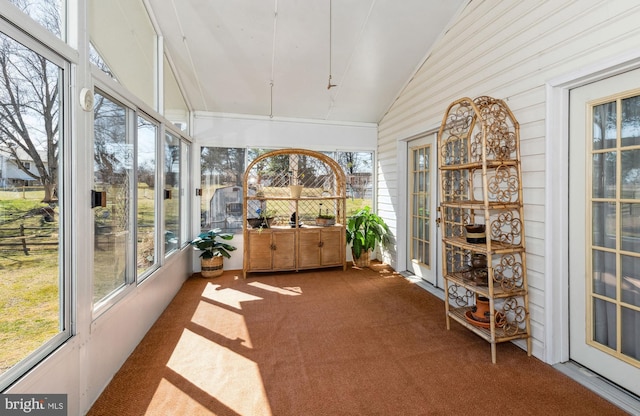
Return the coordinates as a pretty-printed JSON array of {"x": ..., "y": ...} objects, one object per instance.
[{"x": 21, "y": 240}]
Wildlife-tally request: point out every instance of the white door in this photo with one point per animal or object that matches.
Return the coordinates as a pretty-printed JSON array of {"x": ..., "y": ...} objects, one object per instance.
[
  {"x": 604, "y": 224},
  {"x": 423, "y": 238}
]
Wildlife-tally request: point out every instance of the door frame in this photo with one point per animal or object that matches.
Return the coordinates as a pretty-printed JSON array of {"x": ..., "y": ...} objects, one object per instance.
[
  {"x": 556, "y": 218},
  {"x": 402, "y": 247}
]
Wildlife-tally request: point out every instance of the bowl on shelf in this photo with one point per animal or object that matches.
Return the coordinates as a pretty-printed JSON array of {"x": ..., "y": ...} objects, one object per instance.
[{"x": 476, "y": 233}]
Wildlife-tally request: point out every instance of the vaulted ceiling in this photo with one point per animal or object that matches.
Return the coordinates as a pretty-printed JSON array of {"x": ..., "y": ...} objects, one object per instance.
[{"x": 274, "y": 57}]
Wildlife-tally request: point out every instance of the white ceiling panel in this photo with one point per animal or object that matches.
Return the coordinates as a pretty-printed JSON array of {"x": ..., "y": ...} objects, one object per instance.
[{"x": 226, "y": 55}]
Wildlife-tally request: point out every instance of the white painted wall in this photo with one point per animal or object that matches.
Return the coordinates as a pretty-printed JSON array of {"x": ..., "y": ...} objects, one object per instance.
[{"x": 508, "y": 50}]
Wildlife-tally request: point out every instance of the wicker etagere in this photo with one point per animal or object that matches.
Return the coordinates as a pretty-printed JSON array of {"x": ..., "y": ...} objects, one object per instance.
[
  {"x": 294, "y": 212},
  {"x": 481, "y": 212}
]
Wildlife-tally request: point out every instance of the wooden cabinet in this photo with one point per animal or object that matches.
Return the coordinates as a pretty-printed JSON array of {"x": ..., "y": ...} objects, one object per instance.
[
  {"x": 272, "y": 250},
  {"x": 281, "y": 225},
  {"x": 320, "y": 247},
  {"x": 482, "y": 219}
]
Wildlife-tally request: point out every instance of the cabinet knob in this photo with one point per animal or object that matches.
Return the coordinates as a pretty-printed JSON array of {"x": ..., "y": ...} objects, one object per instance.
[
  {"x": 321, "y": 243},
  {"x": 273, "y": 247}
]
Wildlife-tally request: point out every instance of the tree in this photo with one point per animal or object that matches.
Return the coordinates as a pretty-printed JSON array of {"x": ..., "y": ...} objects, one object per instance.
[{"x": 30, "y": 104}]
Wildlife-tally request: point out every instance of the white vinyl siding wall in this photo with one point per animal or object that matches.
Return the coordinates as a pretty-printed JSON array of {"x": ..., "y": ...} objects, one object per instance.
[{"x": 507, "y": 50}]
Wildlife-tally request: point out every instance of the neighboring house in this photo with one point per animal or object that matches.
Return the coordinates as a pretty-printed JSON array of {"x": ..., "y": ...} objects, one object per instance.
[{"x": 12, "y": 175}]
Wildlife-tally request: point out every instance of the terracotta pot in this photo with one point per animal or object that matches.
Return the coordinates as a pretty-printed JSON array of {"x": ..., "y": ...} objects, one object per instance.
[
  {"x": 211, "y": 267},
  {"x": 481, "y": 311}
]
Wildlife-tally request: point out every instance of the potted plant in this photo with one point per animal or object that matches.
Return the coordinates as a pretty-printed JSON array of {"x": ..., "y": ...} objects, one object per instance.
[
  {"x": 325, "y": 219},
  {"x": 263, "y": 220},
  {"x": 365, "y": 230},
  {"x": 213, "y": 251}
]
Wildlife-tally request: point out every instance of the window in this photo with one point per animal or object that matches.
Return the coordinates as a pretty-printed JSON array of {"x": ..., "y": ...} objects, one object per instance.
[
  {"x": 221, "y": 171},
  {"x": 49, "y": 13},
  {"x": 146, "y": 250},
  {"x": 131, "y": 51},
  {"x": 358, "y": 169},
  {"x": 113, "y": 175},
  {"x": 185, "y": 181},
  {"x": 171, "y": 193},
  {"x": 34, "y": 289}
]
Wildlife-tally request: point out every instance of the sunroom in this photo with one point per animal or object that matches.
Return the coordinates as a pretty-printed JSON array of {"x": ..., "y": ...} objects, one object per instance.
[{"x": 130, "y": 125}]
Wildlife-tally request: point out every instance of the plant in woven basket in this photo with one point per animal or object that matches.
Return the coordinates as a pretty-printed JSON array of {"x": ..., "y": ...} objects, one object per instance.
[
  {"x": 365, "y": 230},
  {"x": 212, "y": 250}
]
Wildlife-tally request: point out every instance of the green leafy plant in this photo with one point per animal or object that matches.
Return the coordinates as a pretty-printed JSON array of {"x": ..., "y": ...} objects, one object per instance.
[
  {"x": 365, "y": 230},
  {"x": 211, "y": 246}
]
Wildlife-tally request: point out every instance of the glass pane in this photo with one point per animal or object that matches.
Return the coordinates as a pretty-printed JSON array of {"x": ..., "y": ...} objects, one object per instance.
[
  {"x": 604, "y": 273},
  {"x": 31, "y": 229},
  {"x": 604, "y": 224},
  {"x": 425, "y": 257},
  {"x": 604, "y": 323},
  {"x": 630, "y": 128},
  {"x": 358, "y": 169},
  {"x": 631, "y": 333},
  {"x": 604, "y": 175},
  {"x": 49, "y": 13},
  {"x": 131, "y": 50},
  {"x": 604, "y": 126},
  {"x": 113, "y": 161},
  {"x": 185, "y": 203},
  {"x": 221, "y": 171},
  {"x": 630, "y": 280},
  {"x": 630, "y": 236},
  {"x": 630, "y": 176},
  {"x": 146, "y": 246},
  {"x": 175, "y": 108},
  {"x": 171, "y": 193}
]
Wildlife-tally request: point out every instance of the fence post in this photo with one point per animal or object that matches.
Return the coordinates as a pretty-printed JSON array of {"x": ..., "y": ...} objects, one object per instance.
[{"x": 24, "y": 241}]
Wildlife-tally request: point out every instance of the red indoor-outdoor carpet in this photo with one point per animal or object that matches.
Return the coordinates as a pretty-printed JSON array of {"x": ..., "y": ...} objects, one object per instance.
[{"x": 330, "y": 342}]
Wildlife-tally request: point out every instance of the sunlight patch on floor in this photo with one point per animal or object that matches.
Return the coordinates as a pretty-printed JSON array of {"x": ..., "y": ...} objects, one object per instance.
[
  {"x": 223, "y": 322},
  {"x": 287, "y": 291},
  {"x": 229, "y": 297},
  {"x": 224, "y": 374}
]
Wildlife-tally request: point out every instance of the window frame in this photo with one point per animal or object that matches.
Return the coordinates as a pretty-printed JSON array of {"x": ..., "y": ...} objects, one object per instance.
[{"x": 66, "y": 291}]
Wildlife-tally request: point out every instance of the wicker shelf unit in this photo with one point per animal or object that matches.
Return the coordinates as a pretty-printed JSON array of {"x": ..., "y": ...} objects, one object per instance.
[
  {"x": 481, "y": 184},
  {"x": 284, "y": 230}
]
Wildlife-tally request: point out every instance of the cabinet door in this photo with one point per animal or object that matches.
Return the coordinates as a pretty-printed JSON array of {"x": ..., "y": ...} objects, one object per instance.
[
  {"x": 309, "y": 255},
  {"x": 260, "y": 252},
  {"x": 332, "y": 246},
  {"x": 284, "y": 250}
]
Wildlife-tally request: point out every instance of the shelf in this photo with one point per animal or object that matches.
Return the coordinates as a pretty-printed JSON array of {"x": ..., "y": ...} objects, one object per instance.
[
  {"x": 458, "y": 315},
  {"x": 481, "y": 180},
  {"x": 479, "y": 205},
  {"x": 491, "y": 164},
  {"x": 293, "y": 241},
  {"x": 498, "y": 292},
  {"x": 497, "y": 247},
  {"x": 288, "y": 198}
]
